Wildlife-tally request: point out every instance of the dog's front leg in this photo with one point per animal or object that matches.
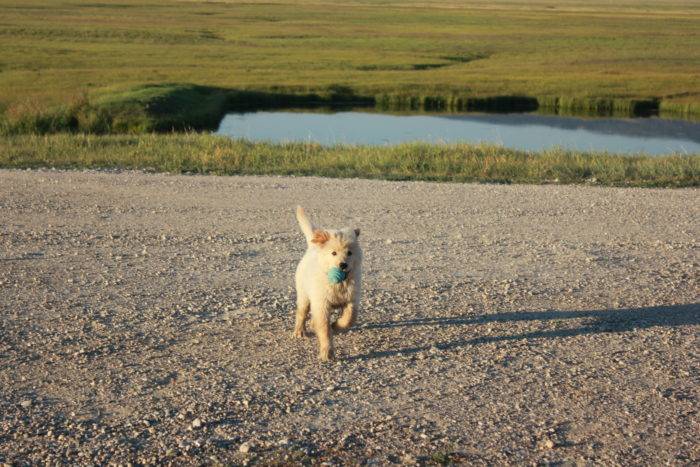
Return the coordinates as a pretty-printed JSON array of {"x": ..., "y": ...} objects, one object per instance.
[
  {"x": 320, "y": 317},
  {"x": 346, "y": 318},
  {"x": 302, "y": 312}
]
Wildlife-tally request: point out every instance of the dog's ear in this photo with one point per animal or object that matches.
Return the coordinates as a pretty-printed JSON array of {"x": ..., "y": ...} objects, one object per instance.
[
  {"x": 357, "y": 232},
  {"x": 320, "y": 237}
]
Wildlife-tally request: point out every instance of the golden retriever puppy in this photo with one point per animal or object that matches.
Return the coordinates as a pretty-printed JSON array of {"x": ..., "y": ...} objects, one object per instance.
[{"x": 327, "y": 278}]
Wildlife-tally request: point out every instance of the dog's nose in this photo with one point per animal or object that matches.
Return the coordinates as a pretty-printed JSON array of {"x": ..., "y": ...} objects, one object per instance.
[{"x": 343, "y": 265}]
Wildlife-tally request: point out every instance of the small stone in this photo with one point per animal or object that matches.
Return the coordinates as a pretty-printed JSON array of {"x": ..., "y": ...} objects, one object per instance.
[
  {"x": 547, "y": 444},
  {"x": 388, "y": 241},
  {"x": 197, "y": 423},
  {"x": 245, "y": 447},
  {"x": 26, "y": 404}
]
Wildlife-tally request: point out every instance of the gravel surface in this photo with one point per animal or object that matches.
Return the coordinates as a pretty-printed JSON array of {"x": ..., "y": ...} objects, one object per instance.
[{"x": 148, "y": 318}]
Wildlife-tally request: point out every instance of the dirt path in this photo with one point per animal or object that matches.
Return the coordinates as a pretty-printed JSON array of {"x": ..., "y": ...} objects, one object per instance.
[{"x": 149, "y": 317}]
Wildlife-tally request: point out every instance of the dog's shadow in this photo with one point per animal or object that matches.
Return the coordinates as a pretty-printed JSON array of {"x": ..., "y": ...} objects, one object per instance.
[{"x": 597, "y": 321}]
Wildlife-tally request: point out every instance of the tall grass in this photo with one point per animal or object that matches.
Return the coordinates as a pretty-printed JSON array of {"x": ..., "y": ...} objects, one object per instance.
[
  {"x": 208, "y": 154},
  {"x": 184, "y": 107},
  {"x": 163, "y": 108}
]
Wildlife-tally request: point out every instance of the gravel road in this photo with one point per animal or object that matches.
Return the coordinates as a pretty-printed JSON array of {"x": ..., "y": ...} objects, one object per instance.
[{"x": 148, "y": 318}]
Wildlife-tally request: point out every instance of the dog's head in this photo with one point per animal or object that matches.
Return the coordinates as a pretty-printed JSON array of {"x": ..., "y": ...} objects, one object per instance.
[{"x": 338, "y": 248}]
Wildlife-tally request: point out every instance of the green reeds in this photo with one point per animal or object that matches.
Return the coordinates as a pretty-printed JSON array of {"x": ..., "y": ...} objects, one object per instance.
[
  {"x": 185, "y": 107},
  {"x": 209, "y": 154}
]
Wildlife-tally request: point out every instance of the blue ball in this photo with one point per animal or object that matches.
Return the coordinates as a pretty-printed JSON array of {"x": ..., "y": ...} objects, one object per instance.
[{"x": 336, "y": 275}]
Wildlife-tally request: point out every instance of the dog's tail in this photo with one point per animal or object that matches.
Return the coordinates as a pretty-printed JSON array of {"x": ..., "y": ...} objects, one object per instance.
[{"x": 306, "y": 227}]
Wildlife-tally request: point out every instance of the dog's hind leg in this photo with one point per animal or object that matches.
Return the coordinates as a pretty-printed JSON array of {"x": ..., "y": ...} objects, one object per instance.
[
  {"x": 320, "y": 317},
  {"x": 346, "y": 318},
  {"x": 303, "y": 305}
]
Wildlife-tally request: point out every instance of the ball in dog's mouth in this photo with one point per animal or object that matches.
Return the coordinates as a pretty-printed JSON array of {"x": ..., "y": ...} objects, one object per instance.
[{"x": 336, "y": 275}]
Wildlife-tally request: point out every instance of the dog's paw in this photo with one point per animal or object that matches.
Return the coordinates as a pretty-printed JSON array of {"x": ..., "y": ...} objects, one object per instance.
[
  {"x": 299, "y": 333},
  {"x": 339, "y": 328},
  {"x": 326, "y": 355}
]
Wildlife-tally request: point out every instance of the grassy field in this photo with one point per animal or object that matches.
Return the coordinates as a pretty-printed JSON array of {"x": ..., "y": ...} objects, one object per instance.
[
  {"x": 100, "y": 64},
  {"x": 208, "y": 154}
]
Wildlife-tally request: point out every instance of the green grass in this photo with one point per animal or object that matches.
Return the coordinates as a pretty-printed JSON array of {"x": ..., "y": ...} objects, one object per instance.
[
  {"x": 87, "y": 65},
  {"x": 135, "y": 67},
  {"x": 165, "y": 107},
  {"x": 208, "y": 154}
]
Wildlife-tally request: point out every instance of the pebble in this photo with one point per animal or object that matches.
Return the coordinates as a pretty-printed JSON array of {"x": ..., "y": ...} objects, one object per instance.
[
  {"x": 245, "y": 447},
  {"x": 547, "y": 444}
]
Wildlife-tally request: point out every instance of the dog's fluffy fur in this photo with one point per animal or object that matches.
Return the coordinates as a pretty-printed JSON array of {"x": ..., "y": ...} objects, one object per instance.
[{"x": 327, "y": 249}]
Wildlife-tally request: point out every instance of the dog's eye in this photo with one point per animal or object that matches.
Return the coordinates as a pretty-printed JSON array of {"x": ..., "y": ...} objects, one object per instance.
[
  {"x": 334, "y": 253},
  {"x": 349, "y": 253}
]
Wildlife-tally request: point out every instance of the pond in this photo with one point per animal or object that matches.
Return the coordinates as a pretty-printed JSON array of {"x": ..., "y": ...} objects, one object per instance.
[{"x": 532, "y": 132}]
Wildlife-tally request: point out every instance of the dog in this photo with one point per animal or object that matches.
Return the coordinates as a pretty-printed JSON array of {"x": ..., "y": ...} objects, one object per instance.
[{"x": 328, "y": 277}]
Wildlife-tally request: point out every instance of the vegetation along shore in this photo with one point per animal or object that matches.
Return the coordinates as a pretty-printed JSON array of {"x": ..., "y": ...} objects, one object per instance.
[
  {"x": 73, "y": 72},
  {"x": 210, "y": 154}
]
